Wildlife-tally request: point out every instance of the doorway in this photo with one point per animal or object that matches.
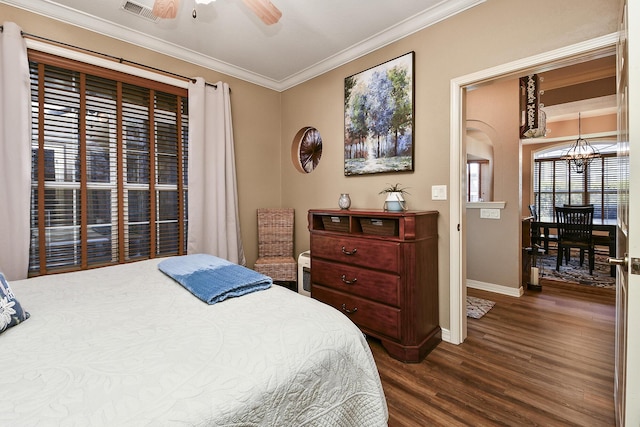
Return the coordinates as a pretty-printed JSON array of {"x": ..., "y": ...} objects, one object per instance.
[{"x": 458, "y": 257}]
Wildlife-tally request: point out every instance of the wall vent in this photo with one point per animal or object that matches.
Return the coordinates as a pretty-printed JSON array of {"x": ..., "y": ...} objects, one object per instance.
[{"x": 140, "y": 10}]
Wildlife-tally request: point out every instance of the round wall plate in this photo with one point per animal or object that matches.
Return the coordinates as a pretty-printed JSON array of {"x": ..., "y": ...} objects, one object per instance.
[{"x": 306, "y": 149}]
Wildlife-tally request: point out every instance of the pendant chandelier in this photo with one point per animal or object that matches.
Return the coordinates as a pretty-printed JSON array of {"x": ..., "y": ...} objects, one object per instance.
[{"x": 581, "y": 153}]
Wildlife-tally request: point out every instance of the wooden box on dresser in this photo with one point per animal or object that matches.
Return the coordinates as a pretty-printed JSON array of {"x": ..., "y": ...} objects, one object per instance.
[{"x": 381, "y": 270}]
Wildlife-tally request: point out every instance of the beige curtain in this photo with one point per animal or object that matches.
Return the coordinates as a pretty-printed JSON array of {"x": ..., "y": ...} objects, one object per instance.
[
  {"x": 15, "y": 153},
  {"x": 214, "y": 224}
]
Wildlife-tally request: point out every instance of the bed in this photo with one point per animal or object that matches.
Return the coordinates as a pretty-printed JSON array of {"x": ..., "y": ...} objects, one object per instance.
[{"x": 127, "y": 346}]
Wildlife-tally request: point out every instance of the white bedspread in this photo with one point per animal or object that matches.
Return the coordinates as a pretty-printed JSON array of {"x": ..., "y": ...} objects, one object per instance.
[{"x": 127, "y": 346}]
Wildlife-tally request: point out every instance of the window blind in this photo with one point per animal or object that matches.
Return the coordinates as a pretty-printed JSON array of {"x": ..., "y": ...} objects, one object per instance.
[
  {"x": 556, "y": 184},
  {"x": 109, "y": 166}
]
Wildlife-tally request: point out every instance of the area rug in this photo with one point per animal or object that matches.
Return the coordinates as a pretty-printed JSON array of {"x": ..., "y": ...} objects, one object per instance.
[
  {"x": 478, "y": 307},
  {"x": 574, "y": 273}
]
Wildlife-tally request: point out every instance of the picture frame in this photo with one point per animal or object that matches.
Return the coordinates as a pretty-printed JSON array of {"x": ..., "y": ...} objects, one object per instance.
[{"x": 379, "y": 118}]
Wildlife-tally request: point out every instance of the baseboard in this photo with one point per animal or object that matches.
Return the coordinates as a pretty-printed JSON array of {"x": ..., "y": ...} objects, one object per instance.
[
  {"x": 446, "y": 335},
  {"x": 492, "y": 287}
]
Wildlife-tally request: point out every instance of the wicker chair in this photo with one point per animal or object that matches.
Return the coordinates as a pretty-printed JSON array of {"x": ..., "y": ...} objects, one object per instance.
[{"x": 275, "y": 245}]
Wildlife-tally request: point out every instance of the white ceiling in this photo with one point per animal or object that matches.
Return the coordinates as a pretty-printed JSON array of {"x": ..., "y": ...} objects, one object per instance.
[{"x": 312, "y": 37}]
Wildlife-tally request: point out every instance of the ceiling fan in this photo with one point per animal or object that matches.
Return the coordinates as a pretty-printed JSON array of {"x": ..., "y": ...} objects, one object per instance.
[{"x": 264, "y": 9}]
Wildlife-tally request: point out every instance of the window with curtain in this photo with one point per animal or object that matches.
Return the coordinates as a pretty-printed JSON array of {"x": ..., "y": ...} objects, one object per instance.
[
  {"x": 556, "y": 184},
  {"x": 109, "y": 173}
]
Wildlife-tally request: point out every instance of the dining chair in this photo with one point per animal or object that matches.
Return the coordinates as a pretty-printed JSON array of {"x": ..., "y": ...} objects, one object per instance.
[
  {"x": 538, "y": 236},
  {"x": 575, "y": 230},
  {"x": 275, "y": 245}
]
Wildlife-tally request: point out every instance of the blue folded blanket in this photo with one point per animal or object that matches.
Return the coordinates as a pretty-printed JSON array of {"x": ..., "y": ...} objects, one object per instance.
[{"x": 213, "y": 279}]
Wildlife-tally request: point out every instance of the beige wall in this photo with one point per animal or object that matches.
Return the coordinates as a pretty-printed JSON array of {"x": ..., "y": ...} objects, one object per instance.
[
  {"x": 265, "y": 122},
  {"x": 491, "y": 34},
  {"x": 493, "y": 254}
]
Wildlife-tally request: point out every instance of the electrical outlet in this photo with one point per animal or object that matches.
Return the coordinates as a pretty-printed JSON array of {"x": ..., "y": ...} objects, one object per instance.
[{"x": 490, "y": 213}]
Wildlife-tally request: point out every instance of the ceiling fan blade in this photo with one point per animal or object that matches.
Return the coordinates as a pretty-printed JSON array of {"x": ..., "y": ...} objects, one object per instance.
[
  {"x": 165, "y": 9},
  {"x": 265, "y": 10}
]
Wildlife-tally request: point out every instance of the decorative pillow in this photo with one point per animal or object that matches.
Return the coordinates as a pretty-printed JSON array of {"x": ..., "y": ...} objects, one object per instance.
[{"x": 11, "y": 312}]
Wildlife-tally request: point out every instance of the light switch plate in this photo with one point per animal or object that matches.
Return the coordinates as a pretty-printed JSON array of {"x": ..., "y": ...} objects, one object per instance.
[{"x": 438, "y": 192}]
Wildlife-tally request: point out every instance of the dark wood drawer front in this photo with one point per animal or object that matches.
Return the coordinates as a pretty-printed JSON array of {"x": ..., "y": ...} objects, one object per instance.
[
  {"x": 374, "y": 285},
  {"x": 381, "y": 270},
  {"x": 376, "y": 317},
  {"x": 362, "y": 252}
]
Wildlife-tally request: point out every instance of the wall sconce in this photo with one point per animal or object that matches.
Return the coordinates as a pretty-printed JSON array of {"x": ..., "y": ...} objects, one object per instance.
[{"x": 581, "y": 153}]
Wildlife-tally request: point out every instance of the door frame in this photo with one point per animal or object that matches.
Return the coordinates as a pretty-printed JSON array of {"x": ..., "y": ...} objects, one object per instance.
[{"x": 457, "y": 220}]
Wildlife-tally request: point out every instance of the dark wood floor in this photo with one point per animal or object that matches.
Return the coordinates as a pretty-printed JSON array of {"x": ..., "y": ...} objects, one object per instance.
[{"x": 545, "y": 359}]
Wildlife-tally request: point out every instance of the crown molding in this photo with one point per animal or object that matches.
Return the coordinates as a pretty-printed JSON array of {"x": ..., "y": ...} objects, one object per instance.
[
  {"x": 440, "y": 12},
  {"x": 137, "y": 38}
]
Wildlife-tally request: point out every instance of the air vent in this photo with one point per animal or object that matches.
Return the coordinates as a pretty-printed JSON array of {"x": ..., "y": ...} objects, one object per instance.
[{"x": 140, "y": 10}]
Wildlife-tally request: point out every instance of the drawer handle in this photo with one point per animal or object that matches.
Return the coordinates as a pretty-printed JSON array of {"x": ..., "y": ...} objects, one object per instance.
[
  {"x": 349, "y": 282},
  {"x": 346, "y": 252},
  {"x": 346, "y": 310}
]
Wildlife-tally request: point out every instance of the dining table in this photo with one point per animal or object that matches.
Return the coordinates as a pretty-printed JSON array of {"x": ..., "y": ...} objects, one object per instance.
[{"x": 604, "y": 234}]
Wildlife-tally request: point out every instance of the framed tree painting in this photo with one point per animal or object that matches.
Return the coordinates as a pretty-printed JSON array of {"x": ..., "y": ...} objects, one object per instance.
[{"x": 379, "y": 118}]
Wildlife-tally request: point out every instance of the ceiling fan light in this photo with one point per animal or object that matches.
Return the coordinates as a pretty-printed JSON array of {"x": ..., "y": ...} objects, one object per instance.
[{"x": 204, "y": 1}]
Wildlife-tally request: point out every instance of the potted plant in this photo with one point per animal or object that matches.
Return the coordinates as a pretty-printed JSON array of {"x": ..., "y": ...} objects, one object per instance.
[{"x": 395, "y": 198}]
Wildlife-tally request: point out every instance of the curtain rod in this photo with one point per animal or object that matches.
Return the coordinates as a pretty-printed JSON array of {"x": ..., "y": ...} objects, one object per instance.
[{"x": 113, "y": 58}]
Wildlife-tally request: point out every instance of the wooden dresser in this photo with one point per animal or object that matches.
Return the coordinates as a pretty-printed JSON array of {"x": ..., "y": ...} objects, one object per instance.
[{"x": 381, "y": 270}]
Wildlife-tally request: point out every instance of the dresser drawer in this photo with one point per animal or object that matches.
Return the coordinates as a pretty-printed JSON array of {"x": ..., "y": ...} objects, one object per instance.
[
  {"x": 370, "y": 284},
  {"x": 375, "y": 317},
  {"x": 370, "y": 253}
]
